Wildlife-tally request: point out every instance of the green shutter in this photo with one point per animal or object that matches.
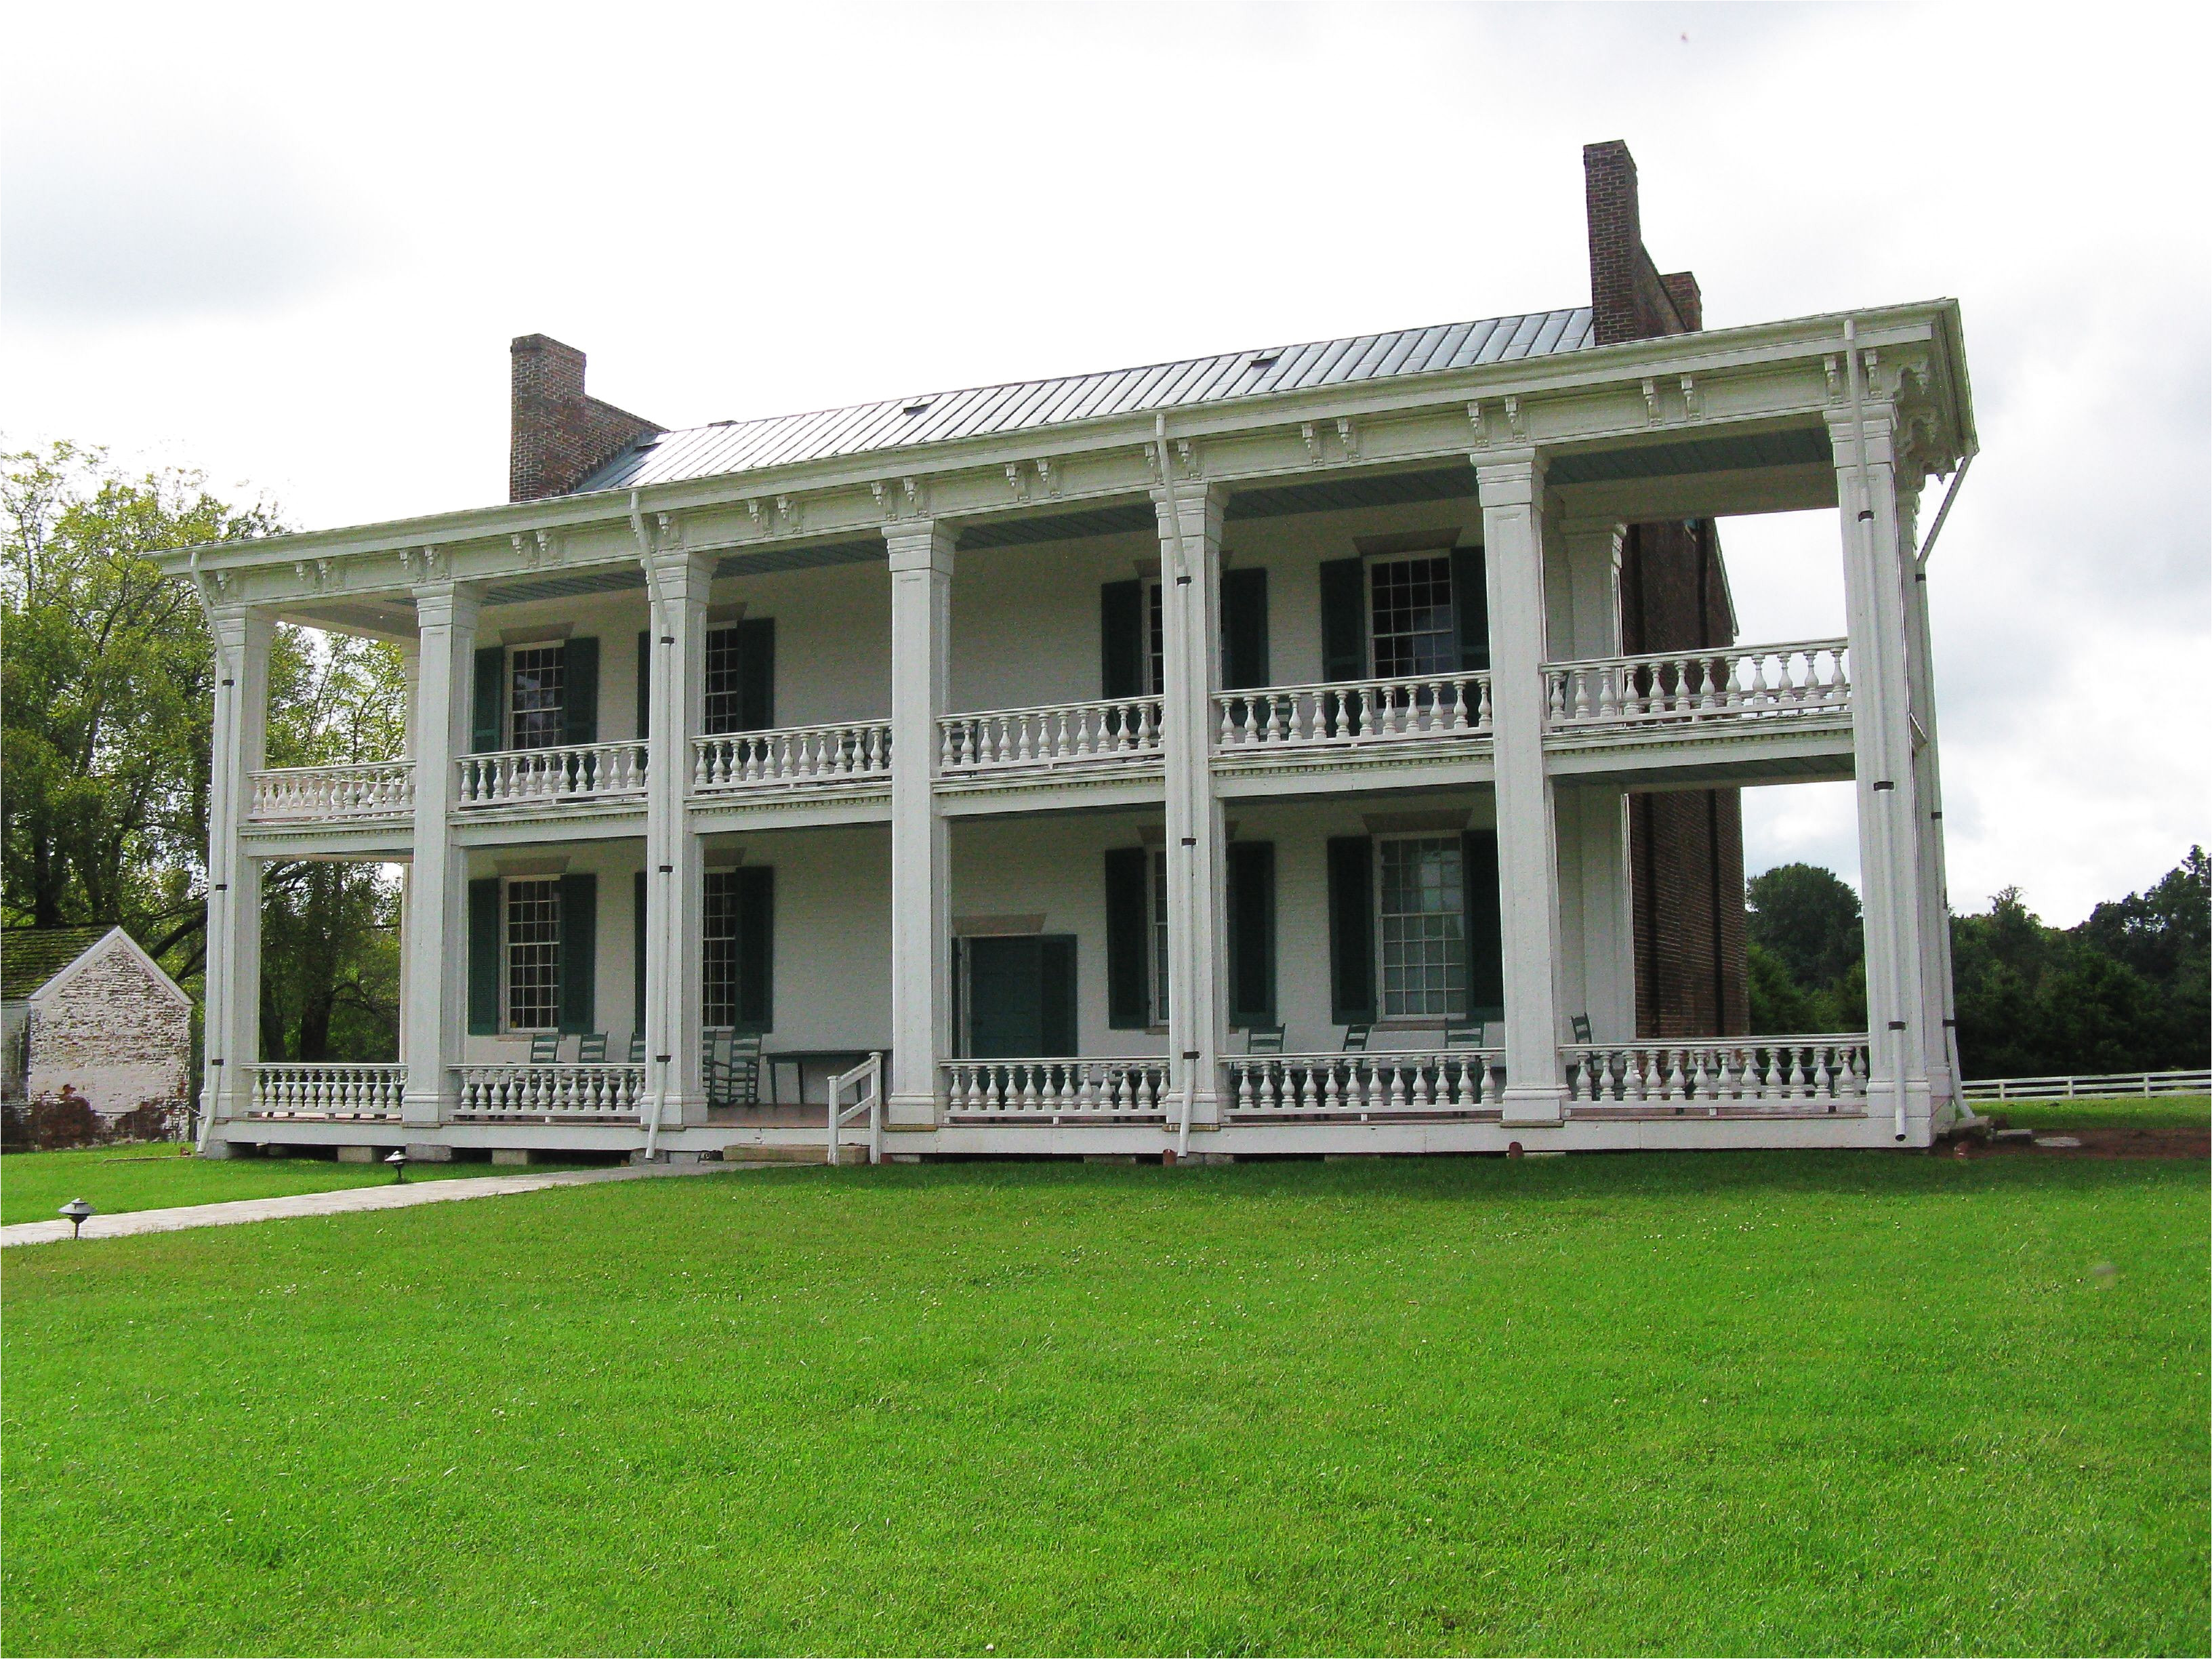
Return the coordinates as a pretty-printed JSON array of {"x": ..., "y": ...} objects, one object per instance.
[
  {"x": 580, "y": 951},
  {"x": 1251, "y": 933},
  {"x": 1121, "y": 639},
  {"x": 1343, "y": 620},
  {"x": 637, "y": 948},
  {"x": 579, "y": 691},
  {"x": 1471, "y": 608},
  {"x": 756, "y": 674},
  {"x": 1484, "y": 924},
  {"x": 1057, "y": 972},
  {"x": 1128, "y": 941},
  {"x": 756, "y": 884},
  {"x": 644, "y": 685},
  {"x": 1351, "y": 929},
  {"x": 483, "y": 957},
  {"x": 1243, "y": 629},
  {"x": 489, "y": 724}
]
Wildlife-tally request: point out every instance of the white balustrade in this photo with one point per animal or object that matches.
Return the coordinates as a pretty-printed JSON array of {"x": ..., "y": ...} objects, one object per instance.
[
  {"x": 1366, "y": 1085},
  {"x": 578, "y": 772},
  {"x": 1352, "y": 711},
  {"x": 1822, "y": 1074},
  {"x": 318, "y": 1089},
  {"x": 1055, "y": 735},
  {"x": 791, "y": 756},
  {"x": 378, "y": 789},
  {"x": 583, "y": 1091},
  {"x": 1055, "y": 1091},
  {"x": 1727, "y": 684}
]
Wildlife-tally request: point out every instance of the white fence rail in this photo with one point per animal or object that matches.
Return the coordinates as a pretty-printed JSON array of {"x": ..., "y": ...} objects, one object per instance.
[
  {"x": 866, "y": 1080},
  {"x": 311, "y": 1090},
  {"x": 561, "y": 1092},
  {"x": 379, "y": 789},
  {"x": 1731, "y": 683},
  {"x": 1055, "y": 1091},
  {"x": 580, "y": 772},
  {"x": 2110, "y": 1085},
  {"x": 1052, "y": 736},
  {"x": 1352, "y": 711},
  {"x": 791, "y": 756},
  {"x": 1768, "y": 1074},
  {"x": 1366, "y": 1085}
]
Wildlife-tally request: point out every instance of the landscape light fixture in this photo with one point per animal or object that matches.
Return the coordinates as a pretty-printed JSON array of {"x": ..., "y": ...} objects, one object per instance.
[
  {"x": 398, "y": 1163},
  {"x": 78, "y": 1212}
]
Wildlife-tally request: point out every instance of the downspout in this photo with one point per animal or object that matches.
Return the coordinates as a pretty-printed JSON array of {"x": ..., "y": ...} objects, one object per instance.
[
  {"x": 1181, "y": 573},
  {"x": 1866, "y": 550},
  {"x": 224, "y": 669},
  {"x": 657, "y": 614}
]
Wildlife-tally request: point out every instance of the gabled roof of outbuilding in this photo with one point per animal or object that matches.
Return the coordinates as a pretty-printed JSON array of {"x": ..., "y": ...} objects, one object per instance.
[
  {"x": 30, "y": 957},
  {"x": 702, "y": 452}
]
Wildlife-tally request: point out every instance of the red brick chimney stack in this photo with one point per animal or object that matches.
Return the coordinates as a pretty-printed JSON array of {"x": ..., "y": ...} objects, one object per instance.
[
  {"x": 1630, "y": 298},
  {"x": 560, "y": 436}
]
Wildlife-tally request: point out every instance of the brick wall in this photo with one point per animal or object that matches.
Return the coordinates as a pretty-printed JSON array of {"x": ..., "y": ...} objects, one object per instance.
[
  {"x": 559, "y": 435},
  {"x": 1685, "y": 848},
  {"x": 117, "y": 1035}
]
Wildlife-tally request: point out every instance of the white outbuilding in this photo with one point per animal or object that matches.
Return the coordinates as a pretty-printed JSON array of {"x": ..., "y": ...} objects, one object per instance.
[{"x": 92, "y": 1011}]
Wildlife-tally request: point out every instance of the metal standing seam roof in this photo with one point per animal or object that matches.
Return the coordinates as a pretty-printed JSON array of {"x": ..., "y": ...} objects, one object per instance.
[{"x": 728, "y": 447}]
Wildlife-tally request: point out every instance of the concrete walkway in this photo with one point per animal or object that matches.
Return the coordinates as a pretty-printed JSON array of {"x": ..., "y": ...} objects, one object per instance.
[{"x": 398, "y": 1196}]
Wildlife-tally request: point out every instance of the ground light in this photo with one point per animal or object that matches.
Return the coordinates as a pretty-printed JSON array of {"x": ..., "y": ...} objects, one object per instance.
[
  {"x": 78, "y": 1212},
  {"x": 398, "y": 1163}
]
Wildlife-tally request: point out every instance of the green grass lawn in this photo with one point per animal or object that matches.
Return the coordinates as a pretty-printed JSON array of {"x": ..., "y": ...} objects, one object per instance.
[
  {"x": 2160, "y": 1112},
  {"x": 1809, "y": 1402},
  {"x": 114, "y": 1179}
]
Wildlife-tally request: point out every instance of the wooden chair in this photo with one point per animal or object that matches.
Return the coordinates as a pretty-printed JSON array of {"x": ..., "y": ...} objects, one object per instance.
[
  {"x": 591, "y": 1048},
  {"x": 1355, "y": 1037},
  {"x": 1466, "y": 1034},
  {"x": 637, "y": 1047},
  {"x": 1263, "y": 1039},
  {"x": 1581, "y": 1028},
  {"x": 546, "y": 1048},
  {"x": 744, "y": 1075}
]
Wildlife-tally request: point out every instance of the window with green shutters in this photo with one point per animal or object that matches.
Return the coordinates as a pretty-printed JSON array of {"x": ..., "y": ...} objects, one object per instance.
[
  {"x": 740, "y": 676},
  {"x": 1251, "y": 933},
  {"x": 737, "y": 940}
]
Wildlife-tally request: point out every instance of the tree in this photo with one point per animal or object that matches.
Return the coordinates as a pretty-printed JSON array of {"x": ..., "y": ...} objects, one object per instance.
[{"x": 1808, "y": 918}]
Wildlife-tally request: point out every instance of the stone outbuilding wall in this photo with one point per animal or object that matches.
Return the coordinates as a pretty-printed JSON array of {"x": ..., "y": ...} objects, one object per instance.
[{"x": 113, "y": 1026}]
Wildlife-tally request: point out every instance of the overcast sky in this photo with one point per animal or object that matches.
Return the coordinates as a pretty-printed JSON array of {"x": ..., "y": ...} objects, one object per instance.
[{"x": 288, "y": 246}]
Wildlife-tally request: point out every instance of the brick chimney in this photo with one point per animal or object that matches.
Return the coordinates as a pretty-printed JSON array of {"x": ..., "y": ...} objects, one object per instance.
[
  {"x": 560, "y": 436},
  {"x": 1630, "y": 300}
]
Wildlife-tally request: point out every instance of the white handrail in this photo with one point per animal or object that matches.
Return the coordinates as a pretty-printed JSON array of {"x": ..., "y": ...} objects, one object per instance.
[
  {"x": 791, "y": 754},
  {"x": 1049, "y": 735},
  {"x": 870, "y": 1071},
  {"x": 519, "y": 1090},
  {"x": 1365, "y": 1085},
  {"x": 1791, "y": 681},
  {"x": 362, "y": 790},
  {"x": 1353, "y": 711},
  {"x": 570, "y": 772}
]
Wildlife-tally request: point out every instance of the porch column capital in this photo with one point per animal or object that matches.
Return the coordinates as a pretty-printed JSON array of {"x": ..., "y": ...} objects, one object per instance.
[
  {"x": 674, "y": 575},
  {"x": 447, "y": 604},
  {"x": 924, "y": 544},
  {"x": 1510, "y": 477}
]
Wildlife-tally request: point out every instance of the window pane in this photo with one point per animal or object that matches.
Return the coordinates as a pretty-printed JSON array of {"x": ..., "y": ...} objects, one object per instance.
[
  {"x": 1156, "y": 641},
  {"x": 1423, "y": 951},
  {"x": 1159, "y": 939},
  {"x": 1411, "y": 609},
  {"x": 724, "y": 710},
  {"x": 533, "y": 955},
  {"x": 540, "y": 718},
  {"x": 719, "y": 936}
]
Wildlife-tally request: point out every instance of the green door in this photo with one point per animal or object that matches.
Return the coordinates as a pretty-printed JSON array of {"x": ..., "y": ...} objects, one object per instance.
[{"x": 1021, "y": 997}]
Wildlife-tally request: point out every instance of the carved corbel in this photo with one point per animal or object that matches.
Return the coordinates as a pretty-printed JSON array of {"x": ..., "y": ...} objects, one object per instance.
[
  {"x": 883, "y": 498},
  {"x": 1152, "y": 463},
  {"x": 753, "y": 515},
  {"x": 1651, "y": 411},
  {"x": 787, "y": 510},
  {"x": 1187, "y": 452},
  {"x": 318, "y": 574},
  {"x": 671, "y": 527},
  {"x": 1474, "y": 420},
  {"x": 1516, "y": 417},
  {"x": 1047, "y": 479},
  {"x": 548, "y": 554},
  {"x": 1348, "y": 435},
  {"x": 1690, "y": 398},
  {"x": 1313, "y": 439},
  {"x": 917, "y": 497},
  {"x": 1016, "y": 483},
  {"x": 1833, "y": 370}
]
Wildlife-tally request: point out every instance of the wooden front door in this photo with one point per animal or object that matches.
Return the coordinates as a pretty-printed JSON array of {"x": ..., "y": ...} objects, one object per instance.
[{"x": 1021, "y": 996}]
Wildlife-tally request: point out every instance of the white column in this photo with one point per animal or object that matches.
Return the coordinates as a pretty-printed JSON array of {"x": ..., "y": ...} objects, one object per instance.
[
  {"x": 239, "y": 737},
  {"x": 1594, "y": 834},
  {"x": 1889, "y": 858},
  {"x": 675, "y": 861},
  {"x": 1939, "y": 1009},
  {"x": 434, "y": 1018},
  {"x": 920, "y": 560},
  {"x": 1511, "y": 489},
  {"x": 1189, "y": 519}
]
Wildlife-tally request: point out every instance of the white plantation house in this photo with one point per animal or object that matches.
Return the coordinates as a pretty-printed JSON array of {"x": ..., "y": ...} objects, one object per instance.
[{"x": 1326, "y": 747}]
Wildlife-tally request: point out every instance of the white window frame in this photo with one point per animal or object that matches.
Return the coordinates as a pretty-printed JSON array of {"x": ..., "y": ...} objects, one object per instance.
[
  {"x": 1368, "y": 565},
  {"x": 1155, "y": 935},
  {"x": 1455, "y": 996},
  {"x": 1152, "y": 619},
  {"x": 514, "y": 713},
  {"x": 507, "y": 949}
]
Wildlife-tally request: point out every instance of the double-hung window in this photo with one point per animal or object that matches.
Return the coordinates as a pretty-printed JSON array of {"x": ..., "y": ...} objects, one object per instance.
[
  {"x": 1159, "y": 921},
  {"x": 1420, "y": 905},
  {"x": 533, "y": 955},
  {"x": 537, "y": 696},
  {"x": 1156, "y": 636},
  {"x": 1413, "y": 631},
  {"x": 719, "y": 948}
]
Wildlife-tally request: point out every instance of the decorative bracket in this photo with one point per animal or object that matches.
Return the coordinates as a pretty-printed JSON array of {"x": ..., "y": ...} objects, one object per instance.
[
  {"x": 753, "y": 512},
  {"x": 883, "y": 498},
  {"x": 1474, "y": 419},
  {"x": 1048, "y": 480},
  {"x": 1313, "y": 439},
  {"x": 1152, "y": 463},
  {"x": 1830, "y": 367},
  {"x": 1016, "y": 483},
  {"x": 1516, "y": 417},
  {"x": 917, "y": 497},
  {"x": 425, "y": 564},
  {"x": 319, "y": 574},
  {"x": 547, "y": 553},
  {"x": 787, "y": 510},
  {"x": 1348, "y": 435},
  {"x": 1650, "y": 400},
  {"x": 1187, "y": 452},
  {"x": 1690, "y": 398}
]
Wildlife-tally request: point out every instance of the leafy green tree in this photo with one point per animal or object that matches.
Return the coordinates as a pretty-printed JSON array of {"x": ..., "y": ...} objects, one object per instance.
[{"x": 1808, "y": 918}]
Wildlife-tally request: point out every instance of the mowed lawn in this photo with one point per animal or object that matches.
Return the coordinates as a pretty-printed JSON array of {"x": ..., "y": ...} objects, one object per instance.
[
  {"x": 34, "y": 1186},
  {"x": 1812, "y": 1402}
]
